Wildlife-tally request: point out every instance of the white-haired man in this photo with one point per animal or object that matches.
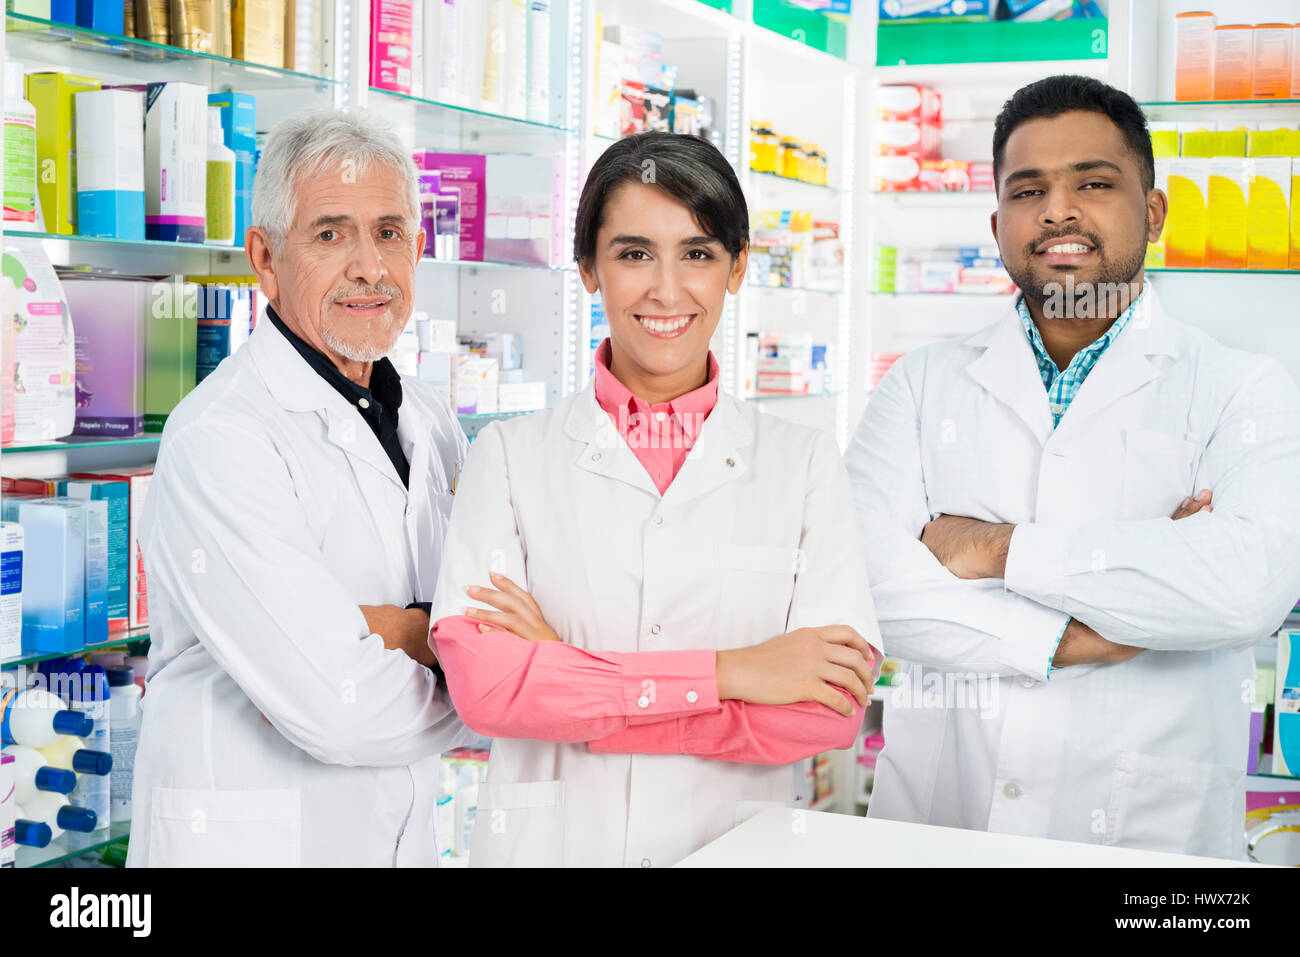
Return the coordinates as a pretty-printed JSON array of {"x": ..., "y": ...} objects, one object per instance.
[{"x": 294, "y": 522}]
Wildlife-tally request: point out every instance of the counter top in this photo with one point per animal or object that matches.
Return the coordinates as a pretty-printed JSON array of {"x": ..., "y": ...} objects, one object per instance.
[{"x": 784, "y": 837}]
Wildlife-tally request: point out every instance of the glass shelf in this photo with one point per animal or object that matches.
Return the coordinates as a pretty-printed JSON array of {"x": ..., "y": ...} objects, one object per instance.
[
  {"x": 130, "y": 243},
  {"x": 811, "y": 289},
  {"x": 117, "y": 638},
  {"x": 438, "y": 125},
  {"x": 1218, "y": 272},
  {"x": 494, "y": 264},
  {"x": 767, "y": 178},
  {"x": 488, "y": 416},
  {"x": 73, "y": 442},
  {"x": 929, "y": 295},
  {"x": 32, "y": 38},
  {"x": 1200, "y": 104},
  {"x": 71, "y": 844},
  {"x": 764, "y": 396}
]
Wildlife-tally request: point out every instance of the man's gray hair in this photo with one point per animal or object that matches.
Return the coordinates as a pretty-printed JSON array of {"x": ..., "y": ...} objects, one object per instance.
[{"x": 307, "y": 143}]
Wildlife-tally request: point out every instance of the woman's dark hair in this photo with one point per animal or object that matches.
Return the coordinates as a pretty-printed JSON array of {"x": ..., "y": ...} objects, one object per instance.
[
  {"x": 1061, "y": 94},
  {"x": 683, "y": 166}
]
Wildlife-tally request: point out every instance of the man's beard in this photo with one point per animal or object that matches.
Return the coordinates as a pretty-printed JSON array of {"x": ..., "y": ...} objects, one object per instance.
[
  {"x": 1110, "y": 273},
  {"x": 369, "y": 350}
]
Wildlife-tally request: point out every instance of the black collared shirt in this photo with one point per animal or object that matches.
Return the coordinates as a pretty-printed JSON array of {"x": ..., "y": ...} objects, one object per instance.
[{"x": 378, "y": 405}]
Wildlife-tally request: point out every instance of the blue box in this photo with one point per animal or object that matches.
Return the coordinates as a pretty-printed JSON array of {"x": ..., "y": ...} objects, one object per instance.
[
  {"x": 95, "y": 607},
  {"x": 225, "y": 318},
  {"x": 102, "y": 15},
  {"x": 54, "y": 602},
  {"x": 64, "y": 11},
  {"x": 116, "y": 495},
  {"x": 239, "y": 130}
]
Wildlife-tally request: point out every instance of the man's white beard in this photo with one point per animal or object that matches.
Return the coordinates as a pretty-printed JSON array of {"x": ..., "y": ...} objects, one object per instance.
[{"x": 357, "y": 353}]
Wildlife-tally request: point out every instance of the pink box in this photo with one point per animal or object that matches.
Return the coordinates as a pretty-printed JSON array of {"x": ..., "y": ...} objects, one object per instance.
[
  {"x": 467, "y": 174},
  {"x": 908, "y": 101},
  {"x": 391, "y": 27}
]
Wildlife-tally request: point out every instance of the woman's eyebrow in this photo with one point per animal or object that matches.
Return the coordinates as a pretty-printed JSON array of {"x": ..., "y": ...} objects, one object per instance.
[{"x": 625, "y": 240}]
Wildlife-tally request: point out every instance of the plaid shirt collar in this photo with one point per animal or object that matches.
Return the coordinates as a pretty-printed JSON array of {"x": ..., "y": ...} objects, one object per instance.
[{"x": 1063, "y": 385}]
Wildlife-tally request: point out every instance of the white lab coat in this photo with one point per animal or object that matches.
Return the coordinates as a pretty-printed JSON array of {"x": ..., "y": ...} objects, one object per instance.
[
  {"x": 273, "y": 513},
  {"x": 1149, "y": 753},
  {"x": 748, "y": 542}
]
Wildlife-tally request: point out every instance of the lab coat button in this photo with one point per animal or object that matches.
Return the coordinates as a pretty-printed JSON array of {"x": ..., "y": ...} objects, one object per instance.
[
  {"x": 655, "y": 629},
  {"x": 692, "y": 697},
  {"x": 645, "y": 862},
  {"x": 595, "y": 456},
  {"x": 731, "y": 463},
  {"x": 659, "y": 519},
  {"x": 1027, "y": 682},
  {"x": 643, "y": 702},
  {"x": 1012, "y": 789}
]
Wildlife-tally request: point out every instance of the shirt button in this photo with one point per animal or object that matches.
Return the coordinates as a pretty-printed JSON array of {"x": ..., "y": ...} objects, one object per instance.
[
  {"x": 643, "y": 702},
  {"x": 659, "y": 519},
  {"x": 692, "y": 697},
  {"x": 660, "y": 416},
  {"x": 1012, "y": 789},
  {"x": 645, "y": 862},
  {"x": 655, "y": 629},
  {"x": 1027, "y": 682},
  {"x": 363, "y": 403}
]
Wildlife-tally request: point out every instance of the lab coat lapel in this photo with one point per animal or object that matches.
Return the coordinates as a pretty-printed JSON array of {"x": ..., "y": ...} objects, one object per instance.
[
  {"x": 605, "y": 452},
  {"x": 718, "y": 456},
  {"x": 1125, "y": 366},
  {"x": 1009, "y": 372}
]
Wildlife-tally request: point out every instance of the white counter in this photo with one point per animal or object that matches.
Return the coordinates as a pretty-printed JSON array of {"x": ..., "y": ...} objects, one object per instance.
[{"x": 782, "y": 837}]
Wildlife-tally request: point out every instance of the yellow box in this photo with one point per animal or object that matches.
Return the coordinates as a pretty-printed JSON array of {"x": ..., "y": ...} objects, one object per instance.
[
  {"x": 1229, "y": 187},
  {"x": 1186, "y": 229},
  {"x": 257, "y": 31},
  {"x": 56, "y": 145},
  {"x": 1164, "y": 139},
  {"x": 1155, "y": 255},
  {"x": 1269, "y": 217},
  {"x": 1214, "y": 144}
]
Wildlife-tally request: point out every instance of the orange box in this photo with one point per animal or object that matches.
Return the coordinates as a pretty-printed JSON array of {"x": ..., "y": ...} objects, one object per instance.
[
  {"x": 1194, "y": 56},
  {"x": 1295, "y": 62},
  {"x": 1272, "y": 69},
  {"x": 1233, "y": 61}
]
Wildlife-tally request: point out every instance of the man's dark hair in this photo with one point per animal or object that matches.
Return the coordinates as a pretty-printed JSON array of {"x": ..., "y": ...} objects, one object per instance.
[
  {"x": 687, "y": 167},
  {"x": 1062, "y": 94}
]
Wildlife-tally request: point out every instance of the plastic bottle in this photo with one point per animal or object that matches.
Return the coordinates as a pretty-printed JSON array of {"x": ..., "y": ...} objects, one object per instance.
[
  {"x": 221, "y": 183},
  {"x": 31, "y": 833},
  {"x": 36, "y": 718},
  {"x": 124, "y": 708},
  {"x": 19, "y": 152},
  {"x": 32, "y": 774},
  {"x": 68, "y": 753},
  {"x": 140, "y": 665},
  {"x": 85, "y": 688},
  {"x": 51, "y": 809}
]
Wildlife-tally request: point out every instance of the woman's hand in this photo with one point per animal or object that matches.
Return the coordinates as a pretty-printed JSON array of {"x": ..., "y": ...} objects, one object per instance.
[
  {"x": 810, "y": 664},
  {"x": 518, "y": 613}
]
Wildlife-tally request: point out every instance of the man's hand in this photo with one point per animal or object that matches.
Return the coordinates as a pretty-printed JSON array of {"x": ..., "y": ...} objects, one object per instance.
[
  {"x": 1193, "y": 504},
  {"x": 519, "y": 614},
  {"x": 402, "y": 629},
  {"x": 1080, "y": 645},
  {"x": 968, "y": 547}
]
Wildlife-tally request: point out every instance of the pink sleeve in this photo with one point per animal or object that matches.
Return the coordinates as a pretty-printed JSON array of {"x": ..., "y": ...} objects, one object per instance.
[
  {"x": 744, "y": 732},
  {"x": 505, "y": 686}
]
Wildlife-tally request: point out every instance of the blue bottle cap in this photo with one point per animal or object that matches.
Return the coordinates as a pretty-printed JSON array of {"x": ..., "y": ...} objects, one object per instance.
[
  {"x": 32, "y": 833},
  {"x": 76, "y": 818},
  {"x": 119, "y": 676},
  {"x": 73, "y": 722},
  {"x": 86, "y": 761},
  {"x": 59, "y": 780}
]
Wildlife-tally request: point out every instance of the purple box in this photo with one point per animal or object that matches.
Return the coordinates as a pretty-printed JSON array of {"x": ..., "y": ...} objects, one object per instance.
[
  {"x": 467, "y": 174},
  {"x": 108, "y": 318}
]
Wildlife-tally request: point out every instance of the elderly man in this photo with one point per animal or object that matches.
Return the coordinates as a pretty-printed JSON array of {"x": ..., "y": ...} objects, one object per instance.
[{"x": 294, "y": 523}]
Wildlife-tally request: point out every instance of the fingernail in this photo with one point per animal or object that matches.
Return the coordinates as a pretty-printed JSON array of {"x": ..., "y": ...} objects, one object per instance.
[
  {"x": 483, "y": 627},
  {"x": 470, "y": 612},
  {"x": 471, "y": 589}
]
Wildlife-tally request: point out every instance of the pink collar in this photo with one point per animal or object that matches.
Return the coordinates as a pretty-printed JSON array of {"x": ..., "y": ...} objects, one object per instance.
[{"x": 692, "y": 408}]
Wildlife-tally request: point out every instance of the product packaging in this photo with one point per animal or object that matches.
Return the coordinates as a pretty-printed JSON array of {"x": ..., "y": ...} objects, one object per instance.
[
  {"x": 1268, "y": 228},
  {"x": 137, "y": 480},
  {"x": 44, "y": 346},
  {"x": 110, "y": 180},
  {"x": 1194, "y": 56},
  {"x": 52, "y": 94},
  {"x": 116, "y": 496},
  {"x": 175, "y": 161},
  {"x": 11, "y": 591},
  {"x": 109, "y": 316}
]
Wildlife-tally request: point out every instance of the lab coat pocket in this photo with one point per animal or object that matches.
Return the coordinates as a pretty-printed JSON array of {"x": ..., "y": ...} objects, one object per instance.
[
  {"x": 201, "y": 828},
  {"x": 757, "y": 587},
  {"x": 1176, "y": 805},
  {"x": 1158, "y": 473},
  {"x": 519, "y": 824}
]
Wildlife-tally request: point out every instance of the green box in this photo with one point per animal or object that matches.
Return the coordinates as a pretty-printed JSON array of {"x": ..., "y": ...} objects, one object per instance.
[
  {"x": 56, "y": 145},
  {"x": 171, "y": 349},
  {"x": 994, "y": 41},
  {"x": 814, "y": 29}
]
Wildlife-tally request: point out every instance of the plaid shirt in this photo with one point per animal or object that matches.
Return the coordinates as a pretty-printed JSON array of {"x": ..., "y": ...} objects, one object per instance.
[{"x": 1063, "y": 386}]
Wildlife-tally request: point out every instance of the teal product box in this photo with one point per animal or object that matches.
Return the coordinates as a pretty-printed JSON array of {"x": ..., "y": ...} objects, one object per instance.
[
  {"x": 54, "y": 612},
  {"x": 95, "y": 607},
  {"x": 116, "y": 496},
  {"x": 239, "y": 130}
]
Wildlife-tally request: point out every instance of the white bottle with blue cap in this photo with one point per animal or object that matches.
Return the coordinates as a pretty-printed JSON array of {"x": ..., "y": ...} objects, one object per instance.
[
  {"x": 32, "y": 774},
  {"x": 51, "y": 810},
  {"x": 36, "y": 718}
]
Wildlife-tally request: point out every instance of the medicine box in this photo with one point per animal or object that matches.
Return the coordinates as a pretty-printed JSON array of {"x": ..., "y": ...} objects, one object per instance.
[
  {"x": 53, "y": 96},
  {"x": 108, "y": 316},
  {"x": 110, "y": 164}
]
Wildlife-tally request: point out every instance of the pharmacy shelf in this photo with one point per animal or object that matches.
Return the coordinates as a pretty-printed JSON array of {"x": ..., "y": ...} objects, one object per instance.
[
  {"x": 114, "y": 640},
  {"x": 79, "y": 442},
  {"x": 1161, "y": 270},
  {"x": 494, "y": 264},
  {"x": 1266, "y": 771},
  {"x": 784, "y": 289},
  {"x": 128, "y": 243},
  {"x": 435, "y": 118},
  {"x": 31, "y": 38},
  {"x": 991, "y": 43},
  {"x": 763, "y": 178},
  {"x": 764, "y": 396},
  {"x": 932, "y": 295},
  {"x": 988, "y": 74},
  {"x": 71, "y": 844}
]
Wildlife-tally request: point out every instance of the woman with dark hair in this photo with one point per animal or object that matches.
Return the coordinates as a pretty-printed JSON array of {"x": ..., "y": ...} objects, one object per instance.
[{"x": 669, "y": 603}]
